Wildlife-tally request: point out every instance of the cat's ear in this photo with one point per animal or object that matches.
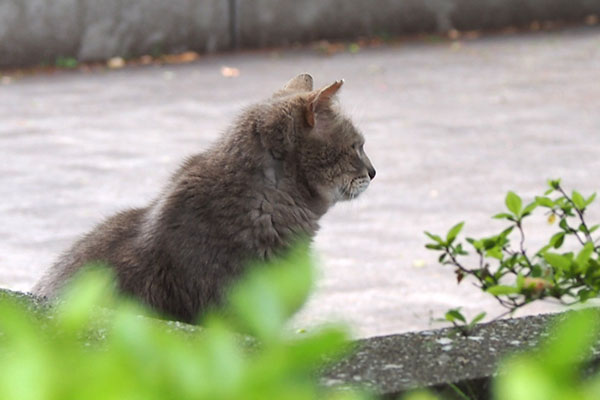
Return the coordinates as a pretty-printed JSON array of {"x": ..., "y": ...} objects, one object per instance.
[
  {"x": 300, "y": 83},
  {"x": 321, "y": 100}
]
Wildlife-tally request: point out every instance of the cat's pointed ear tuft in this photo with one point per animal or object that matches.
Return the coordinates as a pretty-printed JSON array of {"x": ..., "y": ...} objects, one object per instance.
[
  {"x": 320, "y": 100},
  {"x": 301, "y": 83}
]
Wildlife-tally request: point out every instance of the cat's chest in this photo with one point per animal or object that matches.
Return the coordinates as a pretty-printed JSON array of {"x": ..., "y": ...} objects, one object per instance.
[{"x": 276, "y": 219}]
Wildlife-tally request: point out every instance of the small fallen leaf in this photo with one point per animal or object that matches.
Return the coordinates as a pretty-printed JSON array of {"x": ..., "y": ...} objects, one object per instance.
[
  {"x": 329, "y": 48},
  {"x": 115, "y": 63},
  {"x": 419, "y": 263},
  {"x": 453, "y": 34},
  {"x": 230, "y": 72},
  {"x": 145, "y": 60},
  {"x": 472, "y": 34},
  {"x": 181, "y": 58},
  {"x": 354, "y": 48}
]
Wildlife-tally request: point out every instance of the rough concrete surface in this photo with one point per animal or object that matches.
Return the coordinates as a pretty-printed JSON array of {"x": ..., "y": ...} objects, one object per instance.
[
  {"x": 450, "y": 127},
  {"x": 391, "y": 365},
  {"x": 272, "y": 22},
  {"x": 39, "y": 31}
]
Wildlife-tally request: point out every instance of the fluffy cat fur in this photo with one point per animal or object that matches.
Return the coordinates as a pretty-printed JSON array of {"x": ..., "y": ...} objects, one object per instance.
[{"x": 267, "y": 181}]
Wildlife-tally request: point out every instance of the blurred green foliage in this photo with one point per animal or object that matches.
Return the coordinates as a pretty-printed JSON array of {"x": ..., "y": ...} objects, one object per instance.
[
  {"x": 95, "y": 345},
  {"x": 82, "y": 350},
  {"x": 66, "y": 62},
  {"x": 555, "y": 371}
]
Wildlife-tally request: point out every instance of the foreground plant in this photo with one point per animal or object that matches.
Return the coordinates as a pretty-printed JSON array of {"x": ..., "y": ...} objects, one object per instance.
[
  {"x": 516, "y": 276},
  {"x": 82, "y": 351}
]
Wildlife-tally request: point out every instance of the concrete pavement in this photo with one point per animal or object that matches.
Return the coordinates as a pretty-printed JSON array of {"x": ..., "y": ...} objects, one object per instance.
[{"x": 450, "y": 128}]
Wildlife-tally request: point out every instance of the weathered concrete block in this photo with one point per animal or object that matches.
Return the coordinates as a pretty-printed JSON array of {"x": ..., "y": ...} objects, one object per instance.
[
  {"x": 37, "y": 31},
  {"x": 34, "y": 30},
  {"x": 132, "y": 28},
  {"x": 271, "y": 22},
  {"x": 494, "y": 14},
  {"x": 394, "y": 364}
]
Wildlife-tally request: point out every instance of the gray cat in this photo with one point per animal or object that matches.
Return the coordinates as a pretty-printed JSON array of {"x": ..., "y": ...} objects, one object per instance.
[{"x": 275, "y": 172}]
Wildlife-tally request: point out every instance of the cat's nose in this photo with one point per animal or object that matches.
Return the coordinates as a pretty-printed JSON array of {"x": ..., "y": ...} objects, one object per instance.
[{"x": 372, "y": 173}]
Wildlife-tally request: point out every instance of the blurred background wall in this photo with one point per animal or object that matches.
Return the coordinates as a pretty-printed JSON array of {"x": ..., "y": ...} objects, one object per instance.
[{"x": 40, "y": 31}]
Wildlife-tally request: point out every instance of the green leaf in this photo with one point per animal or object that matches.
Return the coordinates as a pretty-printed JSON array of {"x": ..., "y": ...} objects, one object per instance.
[
  {"x": 554, "y": 183},
  {"x": 278, "y": 289},
  {"x": 496, "y": 253},
  {"x": 594, "y": 228},
  {"x": 432, "y": 246},
  {"x": 520, "y": 281},
  {"x": 514, "y": 203},
  {"x": 489, "y": 243},
  {"x": 459, "y": 250},
  {"x": 557, "y": 240},
  {"x": 572, "y": 339},
  {"x": 586, "y": 294},
  {"x": 557, "y": 261},
  {"x": 503, "y": 216},
  {"x": 506, "y": 232},
  {"x": 578, "y": 200},
  {"x": 454, "y": 231},
  {"x": 477, "y": 319},
  {"x": 529, "y": 208},
  {"x": 477, "y": 244},
  {"x": 590, "y": 199},
  {"x": 544, "y": 202},
  {"x": 435, "y": 238},
  {"x": 454, "y": 315},
  {"x": 583, "y": 258},
  {"x": 499, "y": 290}
]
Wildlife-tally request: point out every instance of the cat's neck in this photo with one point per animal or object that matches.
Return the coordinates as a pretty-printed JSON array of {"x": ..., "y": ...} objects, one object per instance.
[{"x": 241, "y": 153}]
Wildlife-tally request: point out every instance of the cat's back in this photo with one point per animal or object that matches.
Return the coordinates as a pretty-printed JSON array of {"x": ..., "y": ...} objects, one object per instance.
[{"x": 112, "y": 242}]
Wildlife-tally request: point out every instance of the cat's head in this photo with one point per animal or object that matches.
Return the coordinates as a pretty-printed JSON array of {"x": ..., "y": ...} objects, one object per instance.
[{"x": 327, "y": 148}]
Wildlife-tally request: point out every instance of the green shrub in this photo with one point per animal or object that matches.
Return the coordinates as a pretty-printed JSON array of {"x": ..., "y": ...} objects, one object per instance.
[
  {"x": 515, "y": 276},
  {"x": 555, "y": 370},
  {"x": 81, "y": 350}
]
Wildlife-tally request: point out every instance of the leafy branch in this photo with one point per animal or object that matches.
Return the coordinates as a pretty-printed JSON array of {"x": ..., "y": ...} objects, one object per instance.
[{"x": 515, "y": 276}]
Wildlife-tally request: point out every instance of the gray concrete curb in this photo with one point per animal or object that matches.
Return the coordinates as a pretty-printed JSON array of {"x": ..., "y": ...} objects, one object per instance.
[
  {"x": 436, "y": 359},
  {"x": 38, "y": 31}
]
